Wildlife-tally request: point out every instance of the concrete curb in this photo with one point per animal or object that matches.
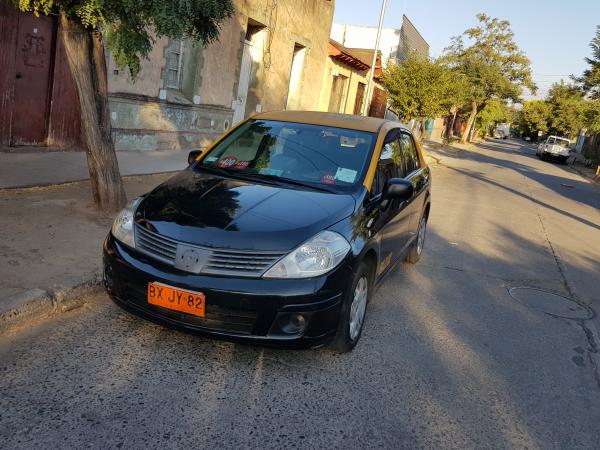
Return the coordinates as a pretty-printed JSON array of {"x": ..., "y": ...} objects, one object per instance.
[
  {"x": 36, "y": 303},
  {"x": 592, "y": 178}
]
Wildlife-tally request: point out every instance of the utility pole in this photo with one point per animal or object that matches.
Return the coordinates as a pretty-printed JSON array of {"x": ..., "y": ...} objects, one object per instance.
[{"x": 370, "y": 84}]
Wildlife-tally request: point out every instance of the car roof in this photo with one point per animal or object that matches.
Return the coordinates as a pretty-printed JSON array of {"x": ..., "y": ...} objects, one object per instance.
[{"x": 360, "y": 123}]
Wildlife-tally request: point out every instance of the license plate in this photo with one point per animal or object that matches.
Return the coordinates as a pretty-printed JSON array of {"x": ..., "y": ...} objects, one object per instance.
[{"x": 176, "y": 299}]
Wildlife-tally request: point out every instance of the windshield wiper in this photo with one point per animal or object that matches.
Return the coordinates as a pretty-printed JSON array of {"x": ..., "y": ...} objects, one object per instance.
[
  {"x": 236, "y": 175},
  {"x": 271, "y": 179},
  {"x": 285, "y": 180},
  {"x": 216, "y": 170}
]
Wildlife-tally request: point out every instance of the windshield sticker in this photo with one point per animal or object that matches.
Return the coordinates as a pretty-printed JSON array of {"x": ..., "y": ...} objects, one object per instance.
[
  {"x": 269, "y": 171},
  {"x": 328, "y": 133},
  {"x": 328, "y": 178},
  {"x": 226, "y": 162},
  {"x": 345, "y": 175},
  {"x": 346, "y": 141},
  {"x": 241, "y": 165}
]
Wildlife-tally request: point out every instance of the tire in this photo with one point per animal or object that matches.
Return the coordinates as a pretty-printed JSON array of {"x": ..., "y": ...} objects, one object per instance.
[
  {"x": 414, "y": 255},
  {"x": 349, "y": 332},
  {"x": 563, "y": 159}
]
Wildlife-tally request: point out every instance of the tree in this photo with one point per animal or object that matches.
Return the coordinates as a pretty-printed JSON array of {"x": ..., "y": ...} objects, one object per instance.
[
  {"x": 420, "y": 88},
  {"x": 494, "y": 112},
  {"x": 592, "y": 116},
  {"x": 535, "y": 117},
  {"x": 567, "y": 109},
  {"x": 590, "y": 79},
  {"x": 130, "y": 29},
  {"x": 493, "y": 64}
]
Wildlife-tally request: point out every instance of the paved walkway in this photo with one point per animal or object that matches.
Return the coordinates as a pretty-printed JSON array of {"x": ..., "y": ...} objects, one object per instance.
[
  {"x": 42, "y": 169},
  {"x": 51, "y": 241}
]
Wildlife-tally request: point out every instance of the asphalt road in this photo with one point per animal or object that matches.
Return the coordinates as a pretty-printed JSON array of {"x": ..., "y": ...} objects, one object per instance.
[{"x": 451, "y": 356}]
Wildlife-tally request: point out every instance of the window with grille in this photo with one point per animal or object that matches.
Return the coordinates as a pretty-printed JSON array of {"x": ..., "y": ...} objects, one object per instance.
[{"x": 174, "y": 64}]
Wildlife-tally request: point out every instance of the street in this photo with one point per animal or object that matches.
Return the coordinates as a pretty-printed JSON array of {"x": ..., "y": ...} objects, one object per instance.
[{"x": 457, "y": 351}]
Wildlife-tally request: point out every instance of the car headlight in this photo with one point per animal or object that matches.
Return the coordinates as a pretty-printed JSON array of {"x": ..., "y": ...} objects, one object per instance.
[
  {"x": 122, "y": 228},
  {"x": 316, "y": 256}
]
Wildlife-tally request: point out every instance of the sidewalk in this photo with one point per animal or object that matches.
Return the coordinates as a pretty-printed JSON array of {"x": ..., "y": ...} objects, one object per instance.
[
  {"x": 588, "y": 172},
  {"x": 46, "y": 168},
  {"x": 51, "y": 243}
]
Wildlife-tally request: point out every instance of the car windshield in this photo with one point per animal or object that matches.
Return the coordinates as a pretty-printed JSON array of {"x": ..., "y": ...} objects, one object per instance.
[
  {"x": 558, "y": 141},
  {"x": 334, "y": 158}
]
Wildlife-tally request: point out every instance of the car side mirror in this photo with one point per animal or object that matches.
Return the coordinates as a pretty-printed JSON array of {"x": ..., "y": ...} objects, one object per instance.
[
  {"x": 193, "y": 156},
  {"x": 397, "y": 189}
]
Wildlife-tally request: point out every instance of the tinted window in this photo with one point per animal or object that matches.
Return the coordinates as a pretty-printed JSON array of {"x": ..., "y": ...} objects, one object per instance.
[
  {"x": 409, "y": 154},
  {"x": 307, "y": 153},
  {"x": 391, "y": 163}
]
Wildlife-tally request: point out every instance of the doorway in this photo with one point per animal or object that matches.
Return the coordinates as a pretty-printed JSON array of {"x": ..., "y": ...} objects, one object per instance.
[
  {"x": 337, "y": 93},
  {"x": 358, "y": 101},
  {"x": 251, "y": 55},
  {"x": 34, "y": 58},
  {"x": 293, "y": 97}
]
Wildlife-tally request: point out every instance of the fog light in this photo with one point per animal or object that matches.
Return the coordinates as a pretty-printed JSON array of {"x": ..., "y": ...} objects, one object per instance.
[{"x": 295, "y": 324}]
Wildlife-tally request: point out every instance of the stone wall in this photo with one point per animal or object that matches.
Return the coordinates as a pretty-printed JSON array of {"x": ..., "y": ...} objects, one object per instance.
[{"x": 149, "y": 124}]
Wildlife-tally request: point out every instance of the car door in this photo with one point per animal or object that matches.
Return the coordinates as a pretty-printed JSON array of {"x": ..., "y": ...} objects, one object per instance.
[
  {"x": 393, "y": 215},
  {"x": 418, "y": 176}
]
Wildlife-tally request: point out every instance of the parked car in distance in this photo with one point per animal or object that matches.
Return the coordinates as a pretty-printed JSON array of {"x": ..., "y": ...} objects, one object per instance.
[
  {"x": 276, "y": 234},
  {"x": 554, "y": 147},
  {"x": 499, "y": 134}
]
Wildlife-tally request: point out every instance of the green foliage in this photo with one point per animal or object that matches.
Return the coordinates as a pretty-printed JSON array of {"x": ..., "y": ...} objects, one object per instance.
[
  {"x": 590, "y": 79},
  {"x": 494, "y": 112},
  {"x": 130, "y": 26},
  {"x": 534, "y": 117},
  {"x": 567, "y": 109},
  {"x": 420, "y": 88},
  {"x": 592, "y": 116},
  {"x": 564, "y": 112},
  {"x": 491, "y": 61}
]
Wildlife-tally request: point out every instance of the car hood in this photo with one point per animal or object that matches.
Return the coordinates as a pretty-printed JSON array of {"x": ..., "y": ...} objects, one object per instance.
[{"x": 210, "y": 210}]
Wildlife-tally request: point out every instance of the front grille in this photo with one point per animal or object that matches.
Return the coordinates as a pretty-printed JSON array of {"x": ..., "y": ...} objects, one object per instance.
[
  {"x": 155, "y": 245},
  {"x": 236, "y": 262},
  {"x": 219, "y": 262}
]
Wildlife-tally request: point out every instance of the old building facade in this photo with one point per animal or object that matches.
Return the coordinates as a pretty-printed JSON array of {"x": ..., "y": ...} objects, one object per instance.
[
  {"x": 394, "y": 44},
  {"x": 345, "y": 81},
  {"x": 270, "y": 55}
]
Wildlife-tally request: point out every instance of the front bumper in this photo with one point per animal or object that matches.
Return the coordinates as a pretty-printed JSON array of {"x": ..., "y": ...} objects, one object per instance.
[{"x": 241, "y": 309}]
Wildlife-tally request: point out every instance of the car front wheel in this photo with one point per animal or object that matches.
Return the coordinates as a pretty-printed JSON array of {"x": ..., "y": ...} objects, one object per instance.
[
  {"x": 354, "y": 310},
  {"x": 417, "y": 247}
]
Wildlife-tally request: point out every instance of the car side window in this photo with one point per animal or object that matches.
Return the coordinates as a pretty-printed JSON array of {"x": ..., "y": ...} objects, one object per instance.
[
  {"x": 409, "y": 152},
  {"x": 390, "y": 164}
]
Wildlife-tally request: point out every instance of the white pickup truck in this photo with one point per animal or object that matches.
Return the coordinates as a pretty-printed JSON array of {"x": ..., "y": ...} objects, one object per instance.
[{"x": 554, "y": 147}]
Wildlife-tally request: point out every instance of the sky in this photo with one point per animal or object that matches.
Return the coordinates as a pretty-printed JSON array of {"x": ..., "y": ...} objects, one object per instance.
[{"x": 554, "y": 34}]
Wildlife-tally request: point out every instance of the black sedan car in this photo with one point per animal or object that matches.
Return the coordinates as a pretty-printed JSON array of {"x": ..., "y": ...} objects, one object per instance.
[{"x": 278, "y": 233}]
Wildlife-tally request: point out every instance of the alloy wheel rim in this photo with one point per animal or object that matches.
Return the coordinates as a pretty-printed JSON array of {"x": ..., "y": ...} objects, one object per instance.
[
  {"x": 421, "y": 236},
  {"x": 358, "y": 306}
]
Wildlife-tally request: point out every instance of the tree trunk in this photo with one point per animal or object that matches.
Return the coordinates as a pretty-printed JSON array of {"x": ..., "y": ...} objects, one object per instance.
[
  {"x": 450, "y": 130},
  {"x": 85, "y": 53},
  {"x": 470, "y": 122}
]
